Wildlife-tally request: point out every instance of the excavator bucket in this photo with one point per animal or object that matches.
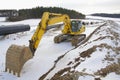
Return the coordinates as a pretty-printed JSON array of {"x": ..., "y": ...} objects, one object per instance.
[{"x": 16, "y": 56}]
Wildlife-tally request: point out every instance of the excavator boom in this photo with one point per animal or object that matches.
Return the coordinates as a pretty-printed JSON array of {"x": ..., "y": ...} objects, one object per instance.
[{"x": 45, "y": 21}]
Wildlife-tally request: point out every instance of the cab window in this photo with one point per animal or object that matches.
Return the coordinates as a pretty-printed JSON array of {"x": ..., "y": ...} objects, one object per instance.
[{"x": 76, "y": 25}]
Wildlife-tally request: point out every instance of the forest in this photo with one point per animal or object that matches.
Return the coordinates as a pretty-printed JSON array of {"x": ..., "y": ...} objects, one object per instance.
[
  {"x": 107, "y": 15},
  {"x": 8, "y": 13},
  {"x": 38, "y": 11}
]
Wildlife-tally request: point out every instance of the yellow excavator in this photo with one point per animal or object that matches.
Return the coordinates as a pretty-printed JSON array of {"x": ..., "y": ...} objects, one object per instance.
[{"x": 16, "y": 55}]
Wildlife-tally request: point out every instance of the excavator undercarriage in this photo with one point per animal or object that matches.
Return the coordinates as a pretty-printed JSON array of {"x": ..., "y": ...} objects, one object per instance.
[{"x": 74, "y": 39}]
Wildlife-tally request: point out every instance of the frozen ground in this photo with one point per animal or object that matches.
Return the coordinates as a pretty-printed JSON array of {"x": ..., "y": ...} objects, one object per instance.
[{"x": 48, "y": 52}]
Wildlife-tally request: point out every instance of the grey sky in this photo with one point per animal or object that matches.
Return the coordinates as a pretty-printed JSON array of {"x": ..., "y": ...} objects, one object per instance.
[{"x": 84, "y": 6}]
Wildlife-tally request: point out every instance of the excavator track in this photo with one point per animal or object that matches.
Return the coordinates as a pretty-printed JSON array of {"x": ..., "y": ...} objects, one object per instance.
[
  {"x": 75, "y": 39},
  {"x": 16, "y": 57},
  {"x": 60, "y": 38}
]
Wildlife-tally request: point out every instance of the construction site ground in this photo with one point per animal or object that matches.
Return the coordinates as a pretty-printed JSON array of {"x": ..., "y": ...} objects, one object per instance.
[{"x": 96, "y": 58}]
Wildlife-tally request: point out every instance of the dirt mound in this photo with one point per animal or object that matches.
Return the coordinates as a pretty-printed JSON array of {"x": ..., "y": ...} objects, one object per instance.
[
  {"x": 108, "y": 69},
  {"x": 102, "y": 43}
]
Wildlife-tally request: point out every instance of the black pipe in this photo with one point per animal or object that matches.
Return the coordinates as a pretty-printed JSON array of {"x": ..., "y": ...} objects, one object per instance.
[{"x": 10, "y": 29}]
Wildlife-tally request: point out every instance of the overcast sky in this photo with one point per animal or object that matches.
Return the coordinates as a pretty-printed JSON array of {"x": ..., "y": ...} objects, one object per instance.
[{"x": 84, "y": 6}]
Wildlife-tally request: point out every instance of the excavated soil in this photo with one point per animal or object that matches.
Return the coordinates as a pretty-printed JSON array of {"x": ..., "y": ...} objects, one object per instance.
[
  {"x": 108, "y": 69},
  {"x": 67, "y": 74}
]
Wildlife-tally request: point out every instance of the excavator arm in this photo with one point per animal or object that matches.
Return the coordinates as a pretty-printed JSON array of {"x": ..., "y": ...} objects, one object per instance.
[{"x": 48, "y": 19}]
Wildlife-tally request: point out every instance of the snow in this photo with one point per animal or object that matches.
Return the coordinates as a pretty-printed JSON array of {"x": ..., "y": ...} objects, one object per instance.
[
  {"x": 48, "y": 52},
  {"x": 96, "y": 60},
  {"x": 2, "y": 19},
  {"x": 45, "y": 55},
  {"x": 86, "y": 78},
  {"x": 102, "y": 18},
  {"x": 112, "y": 76}
]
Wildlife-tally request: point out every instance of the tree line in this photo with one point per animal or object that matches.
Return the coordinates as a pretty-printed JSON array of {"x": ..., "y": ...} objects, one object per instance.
[
  {"x": 38, "y": 11},
  {"x": 8, "y": 13},
  {"x": 107, "y": 15}
]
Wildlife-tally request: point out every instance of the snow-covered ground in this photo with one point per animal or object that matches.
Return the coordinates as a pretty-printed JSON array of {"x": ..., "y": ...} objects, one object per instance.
[
  {"x": 102, "y": 18},
  {"x": 48, "y": 52}
]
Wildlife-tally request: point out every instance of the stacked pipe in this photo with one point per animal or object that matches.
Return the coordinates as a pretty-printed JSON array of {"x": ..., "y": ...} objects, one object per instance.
[{"x": 10, "y": 29}]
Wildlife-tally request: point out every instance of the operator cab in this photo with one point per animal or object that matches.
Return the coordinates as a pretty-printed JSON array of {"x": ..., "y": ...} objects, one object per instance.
[{"x": 76, "y": 25}]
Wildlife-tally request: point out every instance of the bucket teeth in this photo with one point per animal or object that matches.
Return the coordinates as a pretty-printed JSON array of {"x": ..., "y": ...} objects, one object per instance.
[
  {"x": 13, "y": 72},
  {"x": 16, "y": 57}
]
